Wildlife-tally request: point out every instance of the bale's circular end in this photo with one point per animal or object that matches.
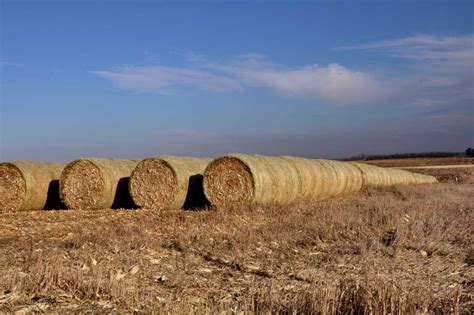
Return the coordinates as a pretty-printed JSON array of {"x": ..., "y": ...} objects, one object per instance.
[
  {"x": 153, "y": 184},
  {"x": 227, "y": 181},
  {"x": 81, "y": 184},
  {"x": 12, "y": 187}
]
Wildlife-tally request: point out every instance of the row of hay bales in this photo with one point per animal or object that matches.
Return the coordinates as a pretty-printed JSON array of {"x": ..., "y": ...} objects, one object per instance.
[
  {"x": 256, "y": 179},
  {"x": 170, "y": 182}
]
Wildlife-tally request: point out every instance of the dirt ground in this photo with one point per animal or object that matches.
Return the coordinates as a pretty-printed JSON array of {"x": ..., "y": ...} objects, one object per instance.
[{"x": 397, "y": 249}]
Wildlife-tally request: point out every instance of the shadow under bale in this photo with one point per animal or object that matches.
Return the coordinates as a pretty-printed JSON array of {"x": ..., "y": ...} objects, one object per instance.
[
  {"x": 53, "y": 201},
  {"x": 122, "y": 196},
  {"x": 196, "y": 199}
]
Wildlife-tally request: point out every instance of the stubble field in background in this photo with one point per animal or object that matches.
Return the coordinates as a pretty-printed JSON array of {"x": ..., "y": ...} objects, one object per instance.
[{"x": 398, "y": 249}]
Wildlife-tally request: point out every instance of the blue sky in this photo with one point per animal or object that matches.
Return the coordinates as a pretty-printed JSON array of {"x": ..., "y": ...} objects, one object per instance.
[{"x": 320, "y": 79}]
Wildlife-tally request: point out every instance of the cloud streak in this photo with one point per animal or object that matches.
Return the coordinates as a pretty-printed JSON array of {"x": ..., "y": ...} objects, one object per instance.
[
  {"x": 456, "y": 50},
  {"x": 440, "y": 75},
  {"x": 167, "y": 80},
  {"x": 440, "y": 80},
  {"x": 332, "y": 83}
]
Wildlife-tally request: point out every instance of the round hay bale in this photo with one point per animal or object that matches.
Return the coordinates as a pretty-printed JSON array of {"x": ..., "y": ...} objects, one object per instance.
[
  {"x": 381, "y": 176},
  {"x": 230, "y": 180},
  {"x": 93, "y": 183},
  {"x": 425, "y": 179},
  {"x": 372, "y": 176},
  {"x": 29, "y": 185},
  {"x": 169, "y": 182},
  {"x": 246, "y": 179}
]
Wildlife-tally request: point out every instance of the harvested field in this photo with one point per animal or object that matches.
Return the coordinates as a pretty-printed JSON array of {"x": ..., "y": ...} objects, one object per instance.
[
  {"x": 437, "y": 166},
  {"x": 28, "y": 185},
  {"x": 398, "y": 250},
  {"x": 421, "y": 162},
  {"x": 97, "y": 183},
  {"x": 168, "y": 182}
]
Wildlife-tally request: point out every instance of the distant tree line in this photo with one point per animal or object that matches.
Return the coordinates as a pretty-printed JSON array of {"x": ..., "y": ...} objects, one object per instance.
[
  {"x": 366, "y": 157},
  {"x": 470, "y": 152}
]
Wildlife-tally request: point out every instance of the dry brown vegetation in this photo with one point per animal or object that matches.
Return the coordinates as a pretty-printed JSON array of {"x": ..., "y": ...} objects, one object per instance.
[{"x": 401, "y": 249}]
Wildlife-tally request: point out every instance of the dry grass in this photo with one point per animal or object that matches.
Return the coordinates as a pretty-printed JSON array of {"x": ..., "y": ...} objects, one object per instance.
[{"x": 398, "y": 249}]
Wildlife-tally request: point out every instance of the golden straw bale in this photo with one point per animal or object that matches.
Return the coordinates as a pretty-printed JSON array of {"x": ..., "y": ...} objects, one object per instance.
[
  {"x": 94, "y": 183},
  {"x": 29, "y": 185},
  {"x": 245, "y": 179},
  {"x": 382, "y": 176},
  {"x": 169, "y": 182}
]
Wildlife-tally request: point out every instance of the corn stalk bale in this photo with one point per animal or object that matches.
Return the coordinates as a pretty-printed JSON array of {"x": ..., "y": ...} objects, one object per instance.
[
  {"x": 94, "y": 183},
  {"x": 169, "y": 182},
  {"x": 256, "y": 179},
  {"x": 381, "y": 176},
  {"x": 29, "y": 185}
]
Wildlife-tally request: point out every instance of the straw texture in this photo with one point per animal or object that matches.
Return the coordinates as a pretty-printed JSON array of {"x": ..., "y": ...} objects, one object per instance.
[
  {"x": 381, "y": 176},
  {"x": 93, "y": 183},
  {"x": 29, "y": 185},
  {"x": 245, "y": 179},
  {"x": 168, "y": 182}
]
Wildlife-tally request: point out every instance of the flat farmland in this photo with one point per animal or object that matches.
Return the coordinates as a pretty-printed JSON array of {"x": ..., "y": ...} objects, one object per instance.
[
  {"x": 422, "y": 162},
  {"x": 398, "y": 249}
]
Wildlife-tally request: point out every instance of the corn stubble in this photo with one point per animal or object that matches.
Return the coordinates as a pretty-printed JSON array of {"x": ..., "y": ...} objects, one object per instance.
[{"x": 398, "y": 250}]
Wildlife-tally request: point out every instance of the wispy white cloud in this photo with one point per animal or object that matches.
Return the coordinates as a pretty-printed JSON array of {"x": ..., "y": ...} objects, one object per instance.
[
  {"x": 440, "y": 80},
  {"x": 451, "y": 49},
  {"x": 420, "y": 40},
  {"x": 440, "y": 73},
  {"x": 167, "y": 80},
  {"x": 333, "y": 83},
  {"x": 446, "y": 60}
]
